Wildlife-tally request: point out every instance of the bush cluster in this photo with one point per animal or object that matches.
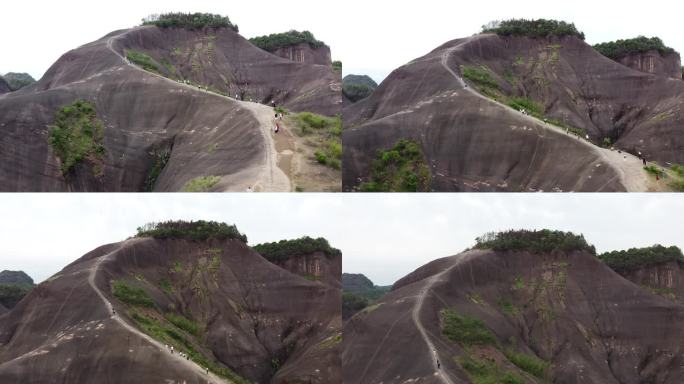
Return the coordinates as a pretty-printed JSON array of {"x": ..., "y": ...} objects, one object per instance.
[
  {"x": 352, "y": 303},
  {"x": 190, "y": 21},
  {"x": 533, "y": 28},
  {"x": 143, "y": 60},
  {"x": 542, "y": 241},
  {"x": 131, "y": 295},
  {"x": 356, "y": 92},
  {"x": 285, "y": 249},
  {"x": 192, "y": 230},
  {"x": 400, "y": 169},
  {"x": 275, "y": 41},
  {"x": 636, "y": 258},
  {"x": 76, "y": 134},
  {"x": 17, "y": 81},
  {"x": 465, "y": 330},
  {"x": 620, "y": 48},
  {"x": 11, "y": 294}
]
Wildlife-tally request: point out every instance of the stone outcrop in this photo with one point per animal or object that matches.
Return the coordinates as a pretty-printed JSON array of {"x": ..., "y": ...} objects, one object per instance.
[
  {"x": 316, "y": 266},
  {"x": 303, "y": 53},
  {"x": 653, "y": 62}
]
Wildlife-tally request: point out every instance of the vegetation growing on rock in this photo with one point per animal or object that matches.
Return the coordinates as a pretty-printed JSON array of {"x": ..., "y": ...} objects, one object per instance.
[
  {"x": 191, "y": 230},
  {"x": 191, "y": 21},
  {"x": 143, "y": 60},
  {"x": 131, "y": 295},
  {"x": 201, "y": 183},
  {"x": 275, "y": 41},
  {"x": 402, "y": 168},
  {"x": 636, "y": 258},
  {"x": 465, "y": 330},
  {"x": 533, "y": 28},
  {"x": 542, "y": 241},
  {"x": 285, "y": 249},
  {"x": 77, "y": 134},
  {"x": 325, "y": 135},
  {"x": 620, "y": 48}
]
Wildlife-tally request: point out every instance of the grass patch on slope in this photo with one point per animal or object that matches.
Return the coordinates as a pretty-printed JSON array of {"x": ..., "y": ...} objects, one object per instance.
[
  {"x": 528, "y": 363},
  {"x": 201, "y": 184},
  {"x": 323, "y": 133},
  {"x": 465, "y": 330},
  {"x": 77, "y": 134},
  {"x": 143, "y": 60},
  {"x": 481, "y": 371},
  {"x": 402, "y": 168},
  {"x": 131, "y": 295}
]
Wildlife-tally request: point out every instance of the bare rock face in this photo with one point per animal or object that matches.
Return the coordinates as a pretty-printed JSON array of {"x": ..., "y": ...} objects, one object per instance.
[
  {"x": 303, "y": 53},
  {"x": 665, "y": 279},
  {"x": 316, "y": 266},
  {"x": 238, "y": 311},
  {"x": 653, "y": 62},
  {"x": 568, "y": 311}
]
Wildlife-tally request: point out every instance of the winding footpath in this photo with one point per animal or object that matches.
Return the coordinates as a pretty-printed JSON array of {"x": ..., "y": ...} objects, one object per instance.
[
  {"x": 629, "y": 167},
  {"x": 189, "y": 365},
  {"x": 271, "y": 178},
  {"x": 418, "y": 307}
]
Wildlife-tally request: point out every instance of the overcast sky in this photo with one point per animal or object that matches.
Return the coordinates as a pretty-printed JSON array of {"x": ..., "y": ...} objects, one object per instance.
[
  {"x": 370, "y": 37},
  {"x": 383, "y": 236},
  {"x": 381, "y": 35},
  {"x": 35, "y": 33}
]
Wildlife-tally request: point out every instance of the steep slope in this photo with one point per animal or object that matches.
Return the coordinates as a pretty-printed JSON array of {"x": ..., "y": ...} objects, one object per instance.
[
  {"x": 477, "y": 142},
  {"x": 516, "y": 317},
  {"x": 107, "y": 316},
  {"x": 163, "y": 131}
]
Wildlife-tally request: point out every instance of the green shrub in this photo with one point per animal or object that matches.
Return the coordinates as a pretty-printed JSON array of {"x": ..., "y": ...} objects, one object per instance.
[
  {"x": 321, "y": 157},
  {"x": 528, "y": 363},
  {"x": 275, "y": 41},
  {"x": 76, "y": 134},
  {"x": 527, "y": 104},
  {"x": 620, "y": 48},
  {"x": 402, "y": 168},
  {"x": 191, "y": 230},
  {"x": 479, "y": 76},
  {"x": 183, "y": 323},
  {"x": 201, "y": 184},
  {"x": 542, "y": 241},
  {"x": 285, "y": 249},
  {"x": 189, "y": 21},
  {"x": 465, "y": 330},
  {"x": 655, "y": 171},
  {"x": 636, "y": 258},
  {"x": 486, "y": 372},
  {"x": 143, "y": 60},
  {"x": 131, "y": 295},
  {"x": 161, "y": 157},
  {"x": 533, "y": 28},
  {"x": 337, "y": 66},
  {"x": 678, "y": 169}
]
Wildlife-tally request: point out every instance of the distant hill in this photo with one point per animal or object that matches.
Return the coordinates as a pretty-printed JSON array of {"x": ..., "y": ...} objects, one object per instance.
[
  {"x": 14, "y": 285},
  {"x": 17, "y": 81},
  {"x": 357, "y": 87},
  {"x": 358, "y": 291}
]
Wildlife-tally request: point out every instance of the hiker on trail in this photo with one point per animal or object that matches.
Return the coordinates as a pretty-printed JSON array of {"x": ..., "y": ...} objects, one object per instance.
[
  {"x": 273, "y": 104},
  {"x": 113, "y": 312},
  {"x": 172, "y": 349},
  {"x": 207, "y": 370},
  {"x": 277, "y": 128},
  {"x": 567, "y": 131},
  {"x": 644, "y": 160},
  {"x": 587, "y": 137}
]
